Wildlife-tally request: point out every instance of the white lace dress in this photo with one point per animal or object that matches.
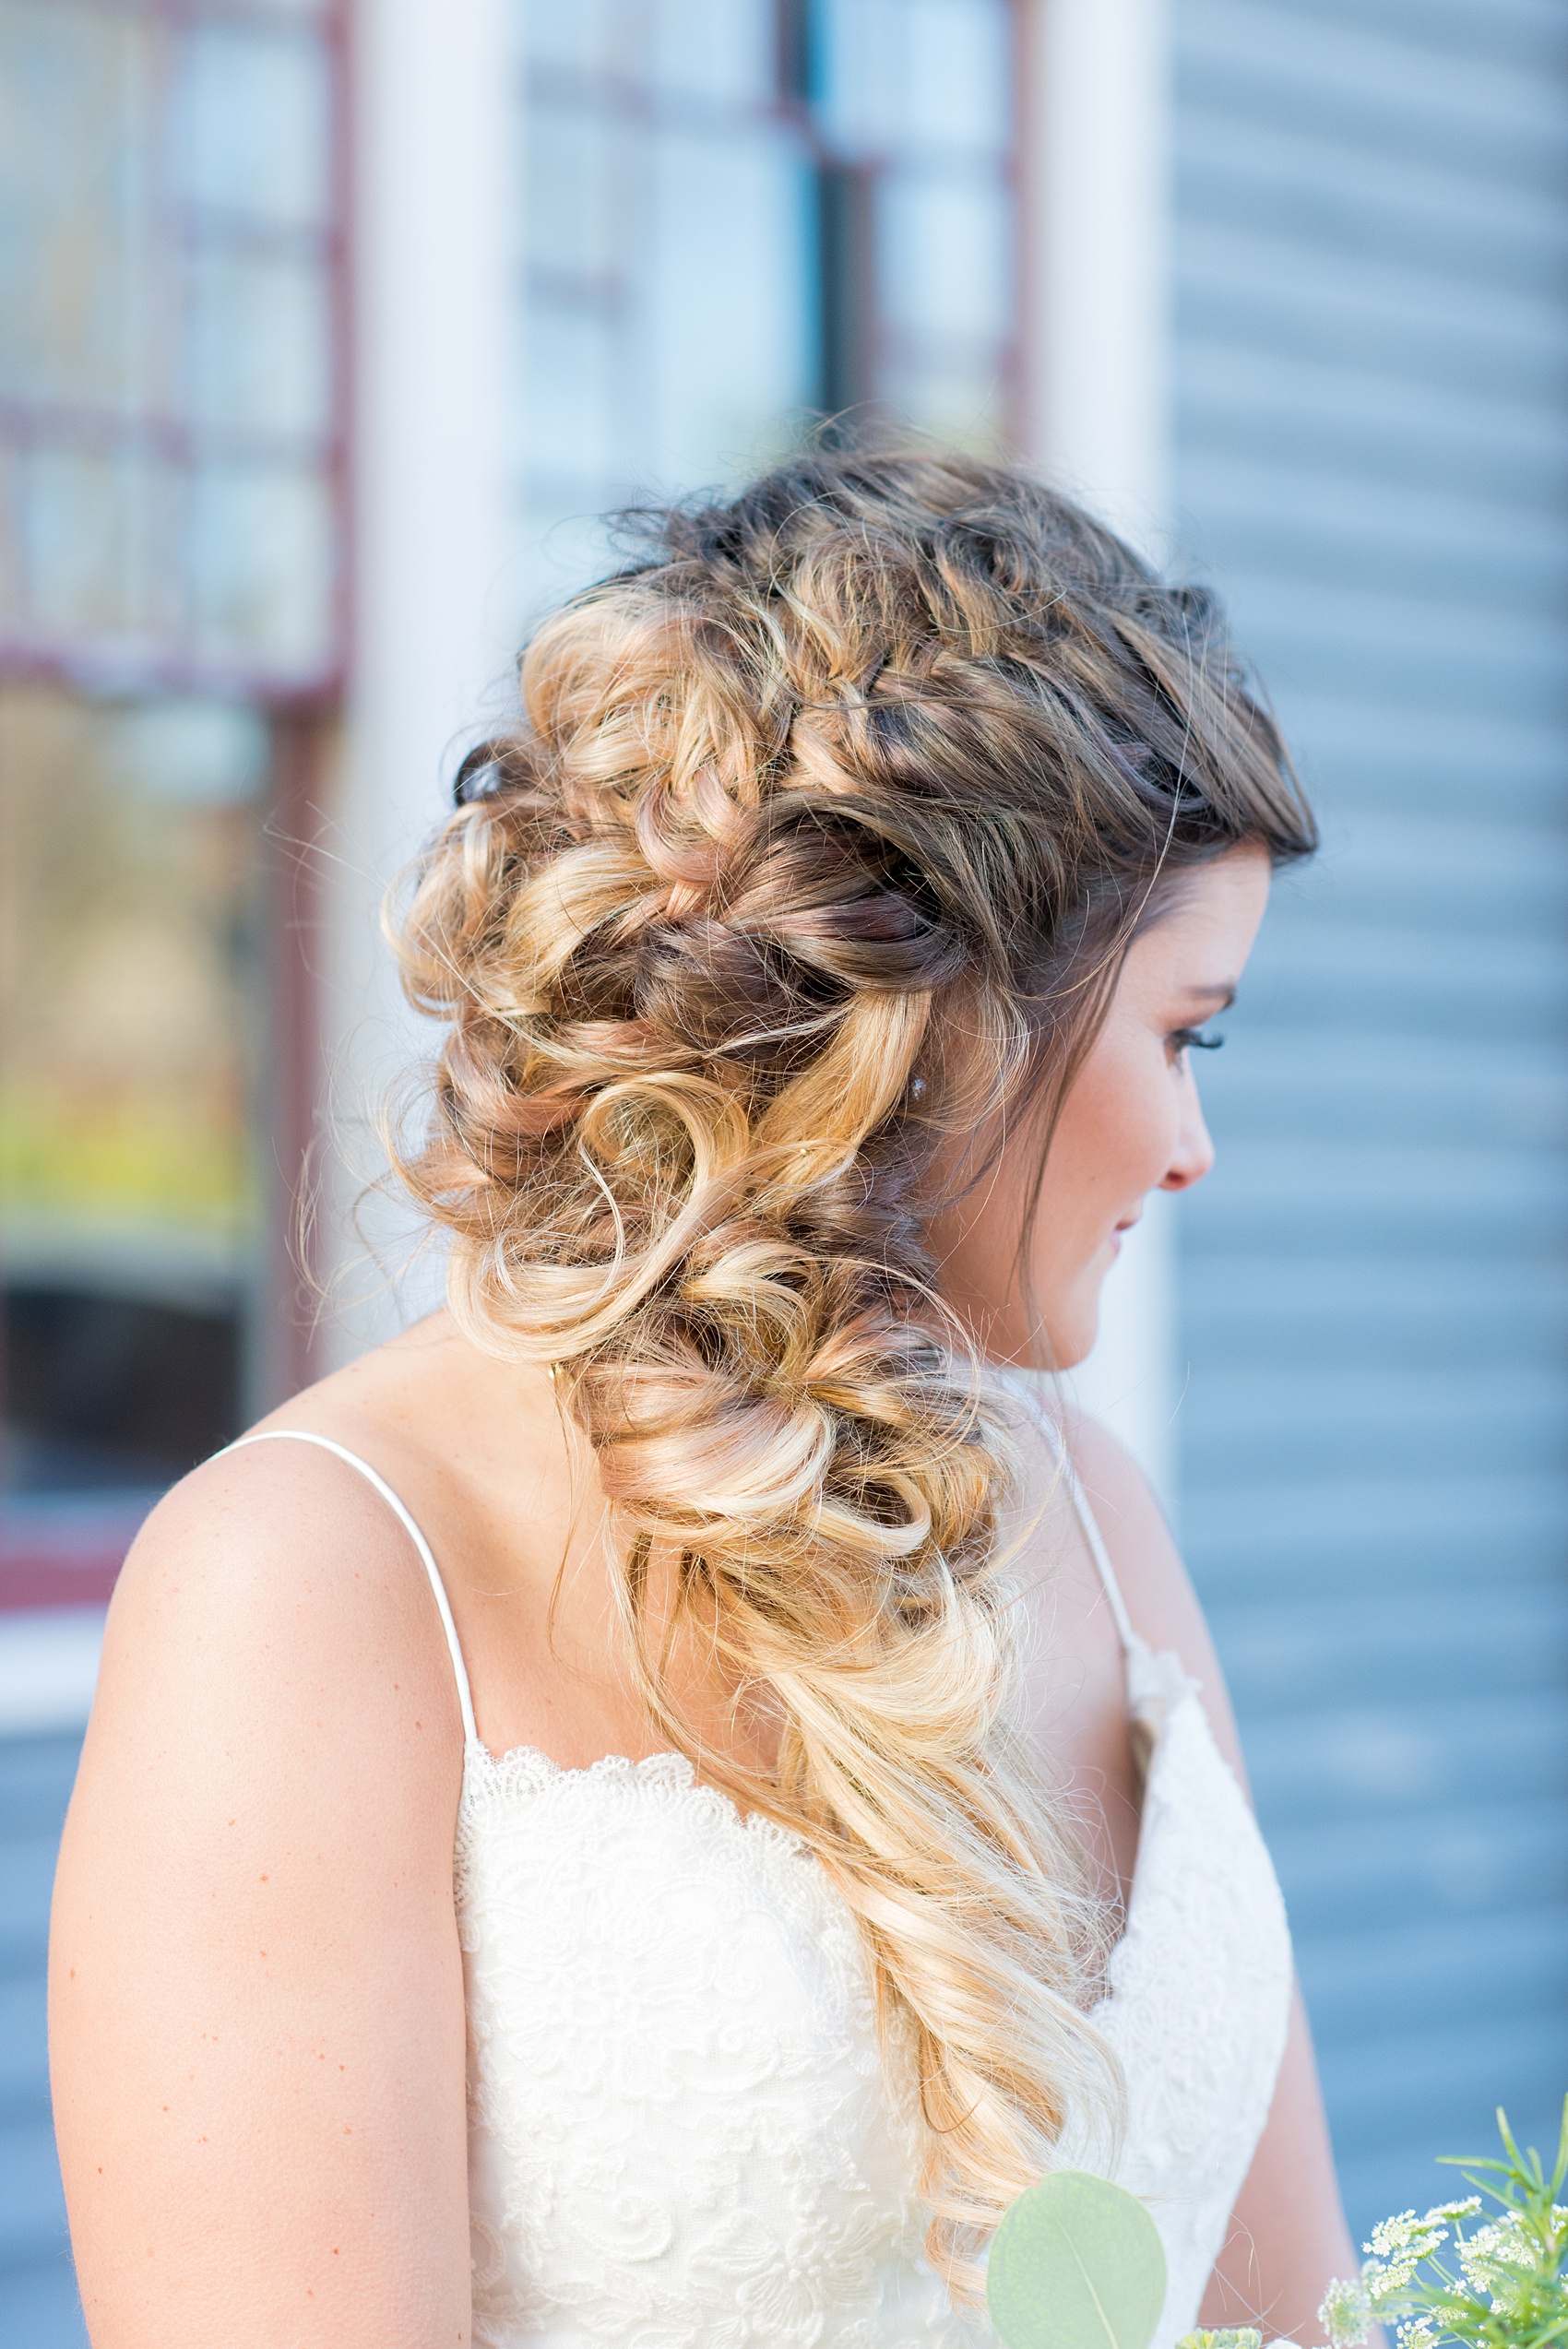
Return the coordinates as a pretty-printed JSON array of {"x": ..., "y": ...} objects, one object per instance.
[{"x": 683, "y": 2133}]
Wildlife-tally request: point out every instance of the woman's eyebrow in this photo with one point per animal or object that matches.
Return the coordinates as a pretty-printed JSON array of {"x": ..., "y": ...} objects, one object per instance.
[{"x": 1219, "y": 997}]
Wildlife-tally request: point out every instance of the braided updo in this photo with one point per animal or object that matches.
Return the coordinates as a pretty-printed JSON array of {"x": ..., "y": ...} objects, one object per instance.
[{"x": 818, "y": 844}]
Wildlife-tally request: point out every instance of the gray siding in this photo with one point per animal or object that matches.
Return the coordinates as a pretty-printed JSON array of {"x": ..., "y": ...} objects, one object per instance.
[
  {"x": 38, "y": 2297},
  {"x": 1371, "y": 261}
]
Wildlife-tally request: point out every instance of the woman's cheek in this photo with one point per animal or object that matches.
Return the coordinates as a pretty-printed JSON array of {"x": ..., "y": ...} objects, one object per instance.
[
  {"x": 1137, "y": 1133},
  {"x": 1159, "y": 1099}
]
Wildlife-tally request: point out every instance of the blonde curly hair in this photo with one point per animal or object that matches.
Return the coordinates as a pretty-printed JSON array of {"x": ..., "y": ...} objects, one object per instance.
[{"x": 818, "y": 844}]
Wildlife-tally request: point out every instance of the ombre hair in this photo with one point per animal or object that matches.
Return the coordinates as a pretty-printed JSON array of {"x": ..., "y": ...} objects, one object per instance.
[{"x": 816, "y": 847}]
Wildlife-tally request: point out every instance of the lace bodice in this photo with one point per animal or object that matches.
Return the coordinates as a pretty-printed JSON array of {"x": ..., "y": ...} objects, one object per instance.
[
  {"x": 683, "y": 2132},
  {"x": 1198, "y": 2001}
]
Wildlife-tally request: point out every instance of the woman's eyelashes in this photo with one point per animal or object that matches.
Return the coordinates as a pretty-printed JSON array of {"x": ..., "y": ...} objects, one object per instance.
[{"x": 1192, "y": 1039}]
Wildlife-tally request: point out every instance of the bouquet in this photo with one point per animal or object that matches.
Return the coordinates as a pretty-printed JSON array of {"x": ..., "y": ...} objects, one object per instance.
[
  {"x": 1485, "y": 2278},
  {"x": 1078, "y": 2263}
]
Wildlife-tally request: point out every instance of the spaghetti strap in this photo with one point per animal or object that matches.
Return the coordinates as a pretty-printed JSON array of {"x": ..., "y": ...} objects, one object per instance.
[
  {"x": 301, "y": 1435},
  {"x": 1085, "y": 1516}
]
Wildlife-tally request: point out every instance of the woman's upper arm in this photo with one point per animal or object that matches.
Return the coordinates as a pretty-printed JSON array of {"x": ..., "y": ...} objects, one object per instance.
[{"x": 257, "y": 2004}]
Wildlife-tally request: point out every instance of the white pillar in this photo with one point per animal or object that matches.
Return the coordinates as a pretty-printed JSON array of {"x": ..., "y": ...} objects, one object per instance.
[
  {"x": 1097, "y": 197},
  {"x": 1097, "y": 205},
  {"x": 436, "y": 252}
]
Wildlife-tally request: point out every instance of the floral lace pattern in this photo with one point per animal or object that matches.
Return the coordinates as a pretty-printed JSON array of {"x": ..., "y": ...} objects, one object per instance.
[
  {"x": 1198, "y": 1999},
  {"x": 683, "y": 2133}
]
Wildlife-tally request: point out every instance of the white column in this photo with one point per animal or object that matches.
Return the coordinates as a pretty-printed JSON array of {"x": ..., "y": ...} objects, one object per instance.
[
  {"x": 1096, "y": 198},
  {"x": 436, "y": 259},
  {"x": 1097, "y": 206}
]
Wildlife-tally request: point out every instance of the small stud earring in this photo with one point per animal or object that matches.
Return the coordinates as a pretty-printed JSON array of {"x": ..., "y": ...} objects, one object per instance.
[{"x": 917, "y": 1088}]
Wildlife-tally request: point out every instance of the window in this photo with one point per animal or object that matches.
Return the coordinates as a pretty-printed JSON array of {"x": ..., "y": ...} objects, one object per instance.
[
  {"x": 171, "y": 593},
  {"x": 169, "y": 451},
  {"x": 908, "y": 109},
  {"x": 741, "y": 215}
]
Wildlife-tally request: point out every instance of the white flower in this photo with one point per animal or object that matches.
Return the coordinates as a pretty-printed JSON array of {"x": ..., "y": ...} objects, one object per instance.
[
  {"x": 1346, "y": 2314},
  {"x": 1491, "y": 2258},
  {"x": 1398, "y": 2247},
  {"x": 1390, "y": 2235}
]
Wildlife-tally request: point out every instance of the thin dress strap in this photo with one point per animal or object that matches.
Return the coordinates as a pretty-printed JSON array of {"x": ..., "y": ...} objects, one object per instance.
[
  {"x": 1086, "y": 1519},
  {"x": 301, "y": 1435}
]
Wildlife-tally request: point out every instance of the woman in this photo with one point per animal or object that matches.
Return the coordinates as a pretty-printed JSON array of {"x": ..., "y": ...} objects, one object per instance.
[{"x": 840, "y": 1839}]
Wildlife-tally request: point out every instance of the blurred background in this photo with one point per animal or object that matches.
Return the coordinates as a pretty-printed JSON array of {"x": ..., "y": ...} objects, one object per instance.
[{"x": 326, "y": 333}]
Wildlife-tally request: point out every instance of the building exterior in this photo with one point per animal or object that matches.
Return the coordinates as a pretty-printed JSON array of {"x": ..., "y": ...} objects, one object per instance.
[
  {"x": 1370, "y": 431},
  {"x": 327, "y": 335},
  {"x": 173, "y": 628}
]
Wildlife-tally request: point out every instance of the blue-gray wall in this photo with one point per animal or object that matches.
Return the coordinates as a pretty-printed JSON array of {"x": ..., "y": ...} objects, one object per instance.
[
  {"x": 37, "y": 2298},
  {"x": 1371, "y": 261}
]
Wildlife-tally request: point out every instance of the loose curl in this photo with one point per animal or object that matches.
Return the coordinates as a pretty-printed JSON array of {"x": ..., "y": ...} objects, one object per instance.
[{"x": 865, "y": 778}]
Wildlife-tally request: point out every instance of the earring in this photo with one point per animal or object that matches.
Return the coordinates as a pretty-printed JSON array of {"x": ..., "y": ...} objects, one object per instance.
[{"x": 917, "y": 1088}]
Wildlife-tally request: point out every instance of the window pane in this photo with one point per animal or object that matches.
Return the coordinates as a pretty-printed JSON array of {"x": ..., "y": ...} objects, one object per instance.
[
  {"x": 947, "y": 252},
  {"x": 585, "y": 38},
  {"x": 258, "y": 344},
  {"x": 574, "y": 209},
  {"x": 957, "y": 89},
  {"x": 724, "y": 309},
  {"x": 87, "y": 528},
  {"x": 11, "y": 581},
  {"x": 128, "y": 1078},
  {"x": 892, "y": 74},
  {"x": 712, "y": 49},
  {"x": 74, "y": 129},
  {"x": 916, "y": 98},
  {"x": 261, "y": 563},
  {"x": 166, "y": 309},
  {"x": 250, "y": 126},
  {"x": 668, "y": 339}
]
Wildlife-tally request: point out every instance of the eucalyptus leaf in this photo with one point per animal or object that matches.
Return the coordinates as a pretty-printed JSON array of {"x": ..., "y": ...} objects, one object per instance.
[{"x": 1076, "y": 2263}]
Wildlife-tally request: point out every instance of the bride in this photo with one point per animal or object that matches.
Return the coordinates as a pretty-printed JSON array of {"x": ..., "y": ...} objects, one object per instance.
[{"x": 649, "y": 1809}]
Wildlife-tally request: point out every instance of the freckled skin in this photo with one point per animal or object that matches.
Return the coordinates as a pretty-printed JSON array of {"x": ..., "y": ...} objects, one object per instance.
[{"x": 276, "y": 1730}]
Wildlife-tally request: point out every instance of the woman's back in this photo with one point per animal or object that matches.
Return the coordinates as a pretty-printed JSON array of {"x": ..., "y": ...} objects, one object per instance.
[
  {"x": 681, "y": 2113},
  {"x": 679, "y": 2106}
]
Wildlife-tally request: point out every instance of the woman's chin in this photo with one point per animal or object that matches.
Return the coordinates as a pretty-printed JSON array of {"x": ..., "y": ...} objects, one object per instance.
[
  {"x": 1070, "y": 1336},
  {"x": 1071, "y": 1351},
  {"x": 1021, "y": 1341},
  {"x": 1061, "y": 1347}
]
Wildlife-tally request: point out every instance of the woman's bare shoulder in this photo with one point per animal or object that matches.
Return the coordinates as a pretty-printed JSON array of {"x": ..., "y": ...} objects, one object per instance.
[
  {"x": 273, "y": 1592},
  {"x": 278, "y": 1579}
]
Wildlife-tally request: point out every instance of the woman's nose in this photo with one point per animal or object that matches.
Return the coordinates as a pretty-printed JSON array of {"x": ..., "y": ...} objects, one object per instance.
[{"x": 1193, "y": 1154}]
